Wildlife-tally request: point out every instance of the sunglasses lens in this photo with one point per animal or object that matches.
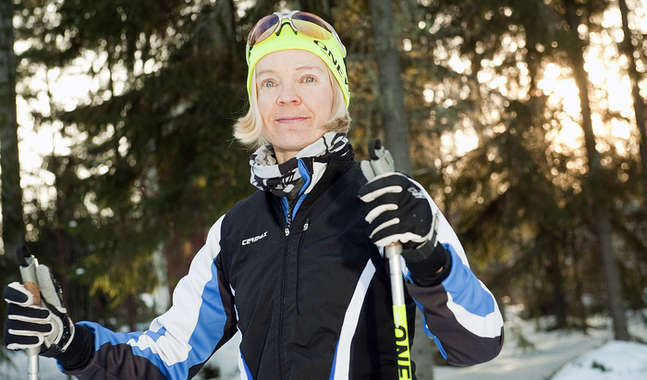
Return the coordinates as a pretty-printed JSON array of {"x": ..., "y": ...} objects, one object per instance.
[
  {"x": 316, "y": 27},
  {"x": 263, "y": 28},
  {"x": 311, "y": 25}
]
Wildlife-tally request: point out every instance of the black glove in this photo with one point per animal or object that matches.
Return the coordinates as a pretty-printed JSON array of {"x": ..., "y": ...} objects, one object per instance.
[
  {"x": 400, "y": 211},
  {"x": 29, "y": 326}
]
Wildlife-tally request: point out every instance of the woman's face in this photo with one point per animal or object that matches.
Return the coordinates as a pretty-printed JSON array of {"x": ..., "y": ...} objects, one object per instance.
[{"x": 295, "y": 98}]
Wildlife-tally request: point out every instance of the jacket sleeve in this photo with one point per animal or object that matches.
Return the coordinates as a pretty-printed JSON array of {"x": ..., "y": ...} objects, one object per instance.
[
  {"x": 180, "y": 341},
  {"x": 461, "y": 314}
]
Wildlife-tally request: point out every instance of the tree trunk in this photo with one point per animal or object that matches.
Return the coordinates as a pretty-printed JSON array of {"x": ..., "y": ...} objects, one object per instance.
[
  {"x": 627, "y": 48},
  {"x": 13, "y": 230},
  {"x": 595, "y": 183},
  {"x": 556, "y": 278},
  {"x": 396, "y": 131}
]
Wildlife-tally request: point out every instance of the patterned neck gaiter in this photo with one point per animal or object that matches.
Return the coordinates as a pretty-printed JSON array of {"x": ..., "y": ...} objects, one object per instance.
[{"x": 286, "y": 179}]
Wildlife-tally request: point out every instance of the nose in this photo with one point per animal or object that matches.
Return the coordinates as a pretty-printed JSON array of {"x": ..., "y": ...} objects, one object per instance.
[{"x": 288, "y": 95}]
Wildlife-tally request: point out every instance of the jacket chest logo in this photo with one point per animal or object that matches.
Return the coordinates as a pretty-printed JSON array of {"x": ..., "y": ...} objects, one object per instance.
[{"x": 254, "y": 239}]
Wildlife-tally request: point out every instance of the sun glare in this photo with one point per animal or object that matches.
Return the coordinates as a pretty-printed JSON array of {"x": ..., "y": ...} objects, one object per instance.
[{"x": 610, "y": 92}]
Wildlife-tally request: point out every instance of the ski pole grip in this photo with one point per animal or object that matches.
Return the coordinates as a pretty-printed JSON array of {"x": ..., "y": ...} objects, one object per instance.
[
  {"x": 34, "y": 290},
  {"x": 28, "y": 264},
  {"x": 382, "y": 162},
  {"x": 381, "y": 159}
]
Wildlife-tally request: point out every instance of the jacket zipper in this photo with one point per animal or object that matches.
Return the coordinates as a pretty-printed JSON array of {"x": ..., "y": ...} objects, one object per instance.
[
  {"x": 292, "y": 208},
  {"x": 288, "y": 215}
]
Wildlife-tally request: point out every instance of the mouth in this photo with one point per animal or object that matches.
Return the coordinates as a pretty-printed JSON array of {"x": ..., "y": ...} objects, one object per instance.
[{"x": 291, "y": 119}]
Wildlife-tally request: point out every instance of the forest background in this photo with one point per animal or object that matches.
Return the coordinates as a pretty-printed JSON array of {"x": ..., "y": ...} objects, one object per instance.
[{"x": 525, "y": 121}]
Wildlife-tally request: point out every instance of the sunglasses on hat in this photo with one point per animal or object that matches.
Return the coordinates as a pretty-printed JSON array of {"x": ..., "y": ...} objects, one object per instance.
[{"x": 305, "y": 23}]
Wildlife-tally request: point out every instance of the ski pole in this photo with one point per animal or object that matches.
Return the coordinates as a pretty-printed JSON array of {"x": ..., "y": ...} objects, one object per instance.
[
  {"x": 382, "y": 162},
  {"x": 28, "y": 264}
]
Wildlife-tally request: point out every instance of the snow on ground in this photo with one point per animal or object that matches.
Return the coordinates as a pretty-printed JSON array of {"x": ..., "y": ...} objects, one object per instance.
[
  {"x": 529, "y": 353},
  {"x": 18, "y": 369},
  {"x": 613, "y": 361}
]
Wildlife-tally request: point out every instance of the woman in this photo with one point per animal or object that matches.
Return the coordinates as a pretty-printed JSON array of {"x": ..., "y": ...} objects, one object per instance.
[{"x": 297, "y": 267}]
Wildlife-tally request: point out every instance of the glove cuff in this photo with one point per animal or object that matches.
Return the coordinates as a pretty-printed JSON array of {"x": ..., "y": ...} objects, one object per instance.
[
  {"x": 79, "y": 350},
  {"x": 428, "y": 266},
  {"x": 62, "y": 341}
]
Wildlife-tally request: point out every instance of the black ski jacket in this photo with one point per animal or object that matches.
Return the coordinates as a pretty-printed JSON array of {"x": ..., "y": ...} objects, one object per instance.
[{"x": 308, "y": 292}]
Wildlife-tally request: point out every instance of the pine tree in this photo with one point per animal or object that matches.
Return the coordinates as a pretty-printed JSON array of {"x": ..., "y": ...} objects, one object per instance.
[{"x": 13, "y": 230}]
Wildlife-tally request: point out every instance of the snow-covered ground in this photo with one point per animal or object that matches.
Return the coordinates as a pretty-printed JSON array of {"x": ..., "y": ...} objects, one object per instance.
[
  {"x": 18, "y": 369},
  {"x": 613, "y": 361},
  {"x": 528, "y": 354}
]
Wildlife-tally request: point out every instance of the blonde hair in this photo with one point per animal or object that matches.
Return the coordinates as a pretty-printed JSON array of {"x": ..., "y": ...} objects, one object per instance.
[{"x": 248, "y": 129}]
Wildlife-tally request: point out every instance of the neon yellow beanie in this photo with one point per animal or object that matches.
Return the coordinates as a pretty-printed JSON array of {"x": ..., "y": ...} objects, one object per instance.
[{"x": 328, "y": 50}]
